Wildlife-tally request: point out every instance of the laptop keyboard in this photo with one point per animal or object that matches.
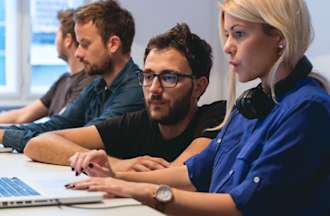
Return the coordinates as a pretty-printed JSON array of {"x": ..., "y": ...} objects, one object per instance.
[{"x": 14, "y": 187}]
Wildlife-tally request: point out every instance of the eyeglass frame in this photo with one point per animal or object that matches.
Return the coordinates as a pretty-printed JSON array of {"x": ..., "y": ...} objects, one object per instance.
[{"x": 159, "y": 76}]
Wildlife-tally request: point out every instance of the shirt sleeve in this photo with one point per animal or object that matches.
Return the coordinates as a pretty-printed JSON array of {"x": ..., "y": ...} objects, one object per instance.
[
  {"x": 290, "y": 158},
  {"x": 119, "y": 134},
  {"x": 74, "y": 116},
  {"x": 200, "y": 167},
  {"x": 46, "y": 99},
  {"x": 128, "y": 98}
]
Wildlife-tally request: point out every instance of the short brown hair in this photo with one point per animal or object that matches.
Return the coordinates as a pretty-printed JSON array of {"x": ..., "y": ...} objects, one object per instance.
[
  {"x": 110, "y": 19},
  {"x": 65, "y": 17}
]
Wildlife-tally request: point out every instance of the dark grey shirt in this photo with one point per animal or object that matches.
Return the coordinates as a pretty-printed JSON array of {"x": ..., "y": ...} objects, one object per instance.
[{"x": 64, "y": 90}]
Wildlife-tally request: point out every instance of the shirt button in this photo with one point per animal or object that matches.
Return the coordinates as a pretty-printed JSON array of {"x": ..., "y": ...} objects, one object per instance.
[
  {"x": 256, "y": 179},
  {"x": 219, "y": 140}
]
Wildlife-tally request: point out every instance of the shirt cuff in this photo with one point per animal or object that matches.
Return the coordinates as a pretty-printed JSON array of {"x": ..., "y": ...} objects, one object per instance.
[{"x": 14, "y": 139}]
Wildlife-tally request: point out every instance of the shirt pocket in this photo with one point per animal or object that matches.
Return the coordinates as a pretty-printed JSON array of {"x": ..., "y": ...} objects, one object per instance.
[{"x": 248, "y": 184}]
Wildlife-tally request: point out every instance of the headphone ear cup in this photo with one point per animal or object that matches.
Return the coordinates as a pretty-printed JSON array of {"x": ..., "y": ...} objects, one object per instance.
[{"x": 254, "y": 103}]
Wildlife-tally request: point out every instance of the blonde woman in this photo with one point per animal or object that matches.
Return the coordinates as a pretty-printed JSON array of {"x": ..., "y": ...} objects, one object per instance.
[{"x": 272, "y": 156}]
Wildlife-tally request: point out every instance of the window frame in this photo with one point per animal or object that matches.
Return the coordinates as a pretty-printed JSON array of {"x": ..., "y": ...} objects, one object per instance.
[{"x": 17, "y": 89}]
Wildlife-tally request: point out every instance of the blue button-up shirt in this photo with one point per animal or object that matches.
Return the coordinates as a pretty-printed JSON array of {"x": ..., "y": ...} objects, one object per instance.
[
  {"x": 277, "y": 165},
  {"x": 96, "y": 103}
]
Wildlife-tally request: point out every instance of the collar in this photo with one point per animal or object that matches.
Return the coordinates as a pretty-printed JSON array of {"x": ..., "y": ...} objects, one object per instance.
[
  {"x": 299, "y": 72},
  {"x": 121, "y": 78}
]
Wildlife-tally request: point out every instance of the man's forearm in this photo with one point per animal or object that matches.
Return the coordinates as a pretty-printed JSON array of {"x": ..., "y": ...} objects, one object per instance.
[
  {"x": 51, "y": 148},
  {"x": 1, "y": 135}
]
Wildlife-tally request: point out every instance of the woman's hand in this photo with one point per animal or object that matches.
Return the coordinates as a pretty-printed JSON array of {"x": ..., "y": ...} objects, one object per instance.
[
  {"x": 116, "y": 188},
  {"x": 92, "y": 163}
]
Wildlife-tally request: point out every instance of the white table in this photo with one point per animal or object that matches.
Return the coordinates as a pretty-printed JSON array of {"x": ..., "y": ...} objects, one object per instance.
[{"x": 14, "y": 164}]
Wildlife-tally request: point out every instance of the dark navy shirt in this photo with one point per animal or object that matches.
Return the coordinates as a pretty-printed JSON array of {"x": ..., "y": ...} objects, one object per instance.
[
  {"x": 277, "y": 165},
  {"x": 96, "y": 103}
]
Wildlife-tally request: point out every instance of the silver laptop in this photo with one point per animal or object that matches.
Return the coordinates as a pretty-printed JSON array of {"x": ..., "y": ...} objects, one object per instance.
[{"x": 19, "y": 192}]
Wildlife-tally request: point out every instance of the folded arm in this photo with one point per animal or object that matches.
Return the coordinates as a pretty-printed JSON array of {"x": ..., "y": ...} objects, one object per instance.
[{"x": 58, "y": 146}]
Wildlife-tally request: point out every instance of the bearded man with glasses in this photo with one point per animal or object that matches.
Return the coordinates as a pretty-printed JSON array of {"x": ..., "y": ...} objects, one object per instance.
[{"x": 176, "y": 73}]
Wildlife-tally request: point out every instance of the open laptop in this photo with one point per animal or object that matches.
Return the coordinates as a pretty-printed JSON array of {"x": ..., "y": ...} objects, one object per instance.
[{"x": 19, "y": 192}]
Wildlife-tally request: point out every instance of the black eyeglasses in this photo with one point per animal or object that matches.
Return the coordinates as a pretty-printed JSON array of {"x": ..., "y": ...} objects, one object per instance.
[{"x": 167, "y": 79}]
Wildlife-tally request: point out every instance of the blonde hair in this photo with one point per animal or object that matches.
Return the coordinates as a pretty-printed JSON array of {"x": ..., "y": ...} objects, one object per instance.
[{"x": 290, "y": 17}]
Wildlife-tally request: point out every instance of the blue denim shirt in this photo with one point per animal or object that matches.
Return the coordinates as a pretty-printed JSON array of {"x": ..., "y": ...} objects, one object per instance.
[
  {"x": 277, "y": 165},
  {"x": 96, "y": 103}
]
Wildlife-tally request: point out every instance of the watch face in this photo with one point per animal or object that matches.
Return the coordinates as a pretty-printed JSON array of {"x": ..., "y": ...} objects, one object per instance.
[{"x": 164, "y": 193}]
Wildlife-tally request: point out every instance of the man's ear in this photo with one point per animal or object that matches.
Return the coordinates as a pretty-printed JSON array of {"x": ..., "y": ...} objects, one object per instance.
[
  {"x": 114, "y": 44},
  {"x": 68, "y": 40},
  {"x": 200, "y": 86}
]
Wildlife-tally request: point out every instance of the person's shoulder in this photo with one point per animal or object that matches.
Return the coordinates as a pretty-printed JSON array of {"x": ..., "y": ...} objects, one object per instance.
[
  {"x": 308, "y": 91},
  {"x": 64, "y": 75},
  {"x": 133, "y": 66},
  {"x": 211, "y": 115},
  {"x": 218, "y": 107},
  {"x": 62, "y": 78}
]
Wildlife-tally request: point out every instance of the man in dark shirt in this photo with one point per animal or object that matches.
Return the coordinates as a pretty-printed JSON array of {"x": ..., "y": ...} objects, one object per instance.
[
  {"x": 105, "y": 34},
  {"x": 176, "y": 74},
  {"x": 66, "y": 88}
]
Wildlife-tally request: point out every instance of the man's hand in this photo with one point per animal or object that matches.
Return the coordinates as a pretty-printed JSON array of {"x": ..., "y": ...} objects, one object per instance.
[
  {"x": 93, "y": 163},
  {"x": 141, "y": 164}
]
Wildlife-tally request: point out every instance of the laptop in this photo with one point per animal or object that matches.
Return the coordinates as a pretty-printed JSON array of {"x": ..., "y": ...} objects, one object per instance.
[{"x": 21, "y": 191}]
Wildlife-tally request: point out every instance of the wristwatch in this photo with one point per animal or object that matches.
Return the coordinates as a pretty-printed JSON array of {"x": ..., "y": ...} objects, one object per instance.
[{"x": 163, "y": 195}]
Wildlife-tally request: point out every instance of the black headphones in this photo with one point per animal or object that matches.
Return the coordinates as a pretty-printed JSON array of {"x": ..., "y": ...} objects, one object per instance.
[{"x": 255, "y": 103}]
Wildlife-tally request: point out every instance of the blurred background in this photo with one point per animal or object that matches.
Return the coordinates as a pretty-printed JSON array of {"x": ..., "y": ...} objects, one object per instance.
[{"x": 28, "y": 57}]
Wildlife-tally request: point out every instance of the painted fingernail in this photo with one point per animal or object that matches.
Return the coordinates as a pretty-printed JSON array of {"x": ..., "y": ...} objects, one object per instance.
[
  {"x": 90, "y": 165},
  {"x": 77, "y": 173},
  {"x": 72, "y": 169},
  {"x": 69, "y": 186},
  {"x": 84, "y": 173},
  {"x": 82, "y": 169}
]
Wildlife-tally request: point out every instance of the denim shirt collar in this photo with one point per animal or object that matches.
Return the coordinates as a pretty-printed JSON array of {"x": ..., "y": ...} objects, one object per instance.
[{"x": 101, "y": 86}]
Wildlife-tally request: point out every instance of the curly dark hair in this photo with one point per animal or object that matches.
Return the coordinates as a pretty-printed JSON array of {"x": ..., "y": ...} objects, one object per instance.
[{"x": 196, "y": 50}]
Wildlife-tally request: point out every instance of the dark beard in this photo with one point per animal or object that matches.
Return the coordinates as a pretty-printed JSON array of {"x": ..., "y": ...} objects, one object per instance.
[
  {"x": 105, "y": 67},
  {"x": 177, "y": 112}
]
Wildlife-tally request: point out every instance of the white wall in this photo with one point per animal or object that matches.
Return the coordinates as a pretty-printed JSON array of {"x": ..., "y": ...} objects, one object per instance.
[
  {"x": 157, "y": 16},
  {"x": 319, "y": 51}
]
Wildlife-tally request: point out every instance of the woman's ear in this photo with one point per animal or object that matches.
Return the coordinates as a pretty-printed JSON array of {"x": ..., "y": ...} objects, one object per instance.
[
  {"x": 114, "y": 44},
  {"x": 279, "y": 39},
  {"x": 200, "y": 86}
]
